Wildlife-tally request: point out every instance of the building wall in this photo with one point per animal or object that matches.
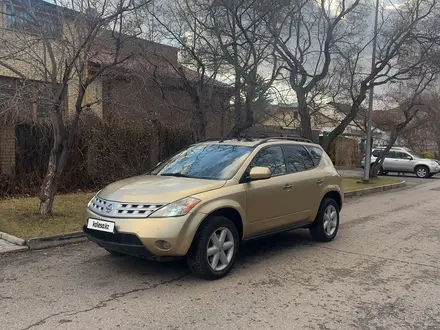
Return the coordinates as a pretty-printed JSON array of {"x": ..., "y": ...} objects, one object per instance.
[{"x": 142, "y": 102}]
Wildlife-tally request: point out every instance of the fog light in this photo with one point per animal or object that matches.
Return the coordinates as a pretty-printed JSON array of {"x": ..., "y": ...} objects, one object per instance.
[{"x": 163, "y": 245}]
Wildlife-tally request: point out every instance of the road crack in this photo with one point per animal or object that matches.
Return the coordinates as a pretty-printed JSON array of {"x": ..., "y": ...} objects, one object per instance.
[
  {"x": 105, "y": 302},
  {"x": 378, "y": 257}
]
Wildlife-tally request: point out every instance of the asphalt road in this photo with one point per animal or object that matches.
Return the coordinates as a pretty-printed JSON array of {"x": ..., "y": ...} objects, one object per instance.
[{"x": 382, "y": 272}]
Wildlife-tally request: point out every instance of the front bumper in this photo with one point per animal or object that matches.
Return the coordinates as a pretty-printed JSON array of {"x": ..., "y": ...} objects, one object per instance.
[
  {"x": 434, "y": 169},
  {"x": 123, "y": 243},
  {"x": 138, "y": 236}
]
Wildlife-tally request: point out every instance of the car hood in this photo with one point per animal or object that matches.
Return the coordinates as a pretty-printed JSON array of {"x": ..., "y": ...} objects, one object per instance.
[{"x": 156, "y": 189}]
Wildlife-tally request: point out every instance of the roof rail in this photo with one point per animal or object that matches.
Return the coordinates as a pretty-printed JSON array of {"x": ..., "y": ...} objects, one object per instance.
[
  {"x": 221, "y": 139},
  {"x": 296, "y": 139},
  {"x": 263, "y": 139}
]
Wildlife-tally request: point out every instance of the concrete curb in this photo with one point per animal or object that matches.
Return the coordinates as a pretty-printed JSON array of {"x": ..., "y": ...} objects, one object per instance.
[
  {"x": 14, "y": 249},
  {"x": 56, "y": 240},
  {"x": 12, "y": 239},
  {"x": 374, "y": 190}
]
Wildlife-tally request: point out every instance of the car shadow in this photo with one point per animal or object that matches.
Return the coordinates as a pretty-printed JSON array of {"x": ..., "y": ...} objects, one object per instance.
[{"x": 250, "y": 253}]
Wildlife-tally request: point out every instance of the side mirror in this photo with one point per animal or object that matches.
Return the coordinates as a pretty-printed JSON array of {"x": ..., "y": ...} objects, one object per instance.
[
  {"x": 260, "y": 173},
  {"x": 408, "y": 158}
]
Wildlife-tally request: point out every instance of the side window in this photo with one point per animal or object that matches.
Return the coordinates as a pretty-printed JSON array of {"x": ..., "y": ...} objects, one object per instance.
[
  {"x": 391, "y": 154},
  {"x": 316, "y": 154},
  {"x": 271, "y": 157},
  {"x": 297, "y": 158}
]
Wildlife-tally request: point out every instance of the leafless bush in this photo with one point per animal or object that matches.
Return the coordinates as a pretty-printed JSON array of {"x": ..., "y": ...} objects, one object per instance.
[{"x": 102, "y": 152}]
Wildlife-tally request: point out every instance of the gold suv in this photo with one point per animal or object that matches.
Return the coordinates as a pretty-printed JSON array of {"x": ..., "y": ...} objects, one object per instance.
[{"x": 205, "y": 201}]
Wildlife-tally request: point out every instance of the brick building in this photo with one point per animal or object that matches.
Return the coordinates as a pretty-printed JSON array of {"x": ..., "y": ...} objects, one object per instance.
[{"x": 147, "y": 87}]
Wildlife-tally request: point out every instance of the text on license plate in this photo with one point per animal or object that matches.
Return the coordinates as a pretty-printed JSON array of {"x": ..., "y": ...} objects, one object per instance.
[{"x": 106, "y": 226}]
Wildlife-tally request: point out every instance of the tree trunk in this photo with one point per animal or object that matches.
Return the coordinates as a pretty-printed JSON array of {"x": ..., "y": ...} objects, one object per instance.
[
  {"x": 235, "y": 131},
  {"x": 63, "y": 142},
  {"x": 377, "y": 165},
  {"x": 199, "y": 123},
  {"x": 338, "y": 130},
  {"x": 306, "y": 125},
  {"x": 57, "y": 162}
]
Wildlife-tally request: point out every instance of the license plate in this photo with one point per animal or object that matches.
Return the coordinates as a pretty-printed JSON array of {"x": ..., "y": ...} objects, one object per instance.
[{"x": 100, "y": 225}]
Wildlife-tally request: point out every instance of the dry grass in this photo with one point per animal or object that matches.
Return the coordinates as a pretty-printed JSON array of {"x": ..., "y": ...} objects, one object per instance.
[
  {"x": 19, "y": 216},
  {"x": 353, "y": 184}
]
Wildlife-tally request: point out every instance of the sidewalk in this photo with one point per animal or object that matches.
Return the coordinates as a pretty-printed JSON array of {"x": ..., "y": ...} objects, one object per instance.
[{"x": 6, "y": 246}]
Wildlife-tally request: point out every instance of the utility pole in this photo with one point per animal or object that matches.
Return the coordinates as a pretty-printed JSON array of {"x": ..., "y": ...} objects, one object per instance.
[{"x": 371, "y": 101}]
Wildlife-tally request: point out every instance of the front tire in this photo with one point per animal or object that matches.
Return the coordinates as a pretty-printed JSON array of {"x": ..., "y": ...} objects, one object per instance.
[
  {"x": 214, "y": 248},
  {"x": 326, "y": 224},
  {"x": 422, "y": 172}
]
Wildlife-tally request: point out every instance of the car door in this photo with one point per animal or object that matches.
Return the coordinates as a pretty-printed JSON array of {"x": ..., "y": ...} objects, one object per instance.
[
  {"x": 406, "y": 162},
  {"x": 268, "y": 201},
  {"x": 391, "y": 163},
  {"x": 306, "y": 182}
]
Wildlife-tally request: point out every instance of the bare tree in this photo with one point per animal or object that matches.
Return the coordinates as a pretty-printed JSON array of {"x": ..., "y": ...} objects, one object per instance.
[
  {"x": 199, "y": 63},
  {"x": 413, "y": 109},
  {"x": 305, "y": 34},
  {"x": 407, "y": 42},
  {"x": 69, "y": 46},
  {"x": 227, "y": 39}
]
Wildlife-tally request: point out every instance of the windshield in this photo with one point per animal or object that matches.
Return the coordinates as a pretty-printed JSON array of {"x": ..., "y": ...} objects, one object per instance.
[{"x": 212, "y": 162}]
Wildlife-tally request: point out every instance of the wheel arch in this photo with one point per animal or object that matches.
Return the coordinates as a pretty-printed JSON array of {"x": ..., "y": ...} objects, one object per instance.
[
  {"x": 336, "y": 196},
  {"x": 227, "y": 212}
]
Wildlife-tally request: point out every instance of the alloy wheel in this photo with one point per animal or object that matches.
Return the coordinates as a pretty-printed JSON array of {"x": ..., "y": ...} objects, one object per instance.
[
  {"x": 330, "y": 220},
  {"x": 220, "y": 249},
  {"x": 421, "y": 172}
]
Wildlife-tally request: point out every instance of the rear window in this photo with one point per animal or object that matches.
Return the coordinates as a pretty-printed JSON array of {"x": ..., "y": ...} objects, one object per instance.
[
  {"x": 377, "y": 152},
  {"x": 297, "y": 158},
  {"x": 316, "y": 154}
]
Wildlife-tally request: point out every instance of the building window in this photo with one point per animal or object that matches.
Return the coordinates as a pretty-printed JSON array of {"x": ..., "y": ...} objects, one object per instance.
[
  {"x": 17, "y": 18},
  {"x": 21, "y": 19}
]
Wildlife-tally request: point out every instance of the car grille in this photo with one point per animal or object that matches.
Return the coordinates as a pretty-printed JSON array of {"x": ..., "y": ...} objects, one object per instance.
[{"x": 122, "y": 210}]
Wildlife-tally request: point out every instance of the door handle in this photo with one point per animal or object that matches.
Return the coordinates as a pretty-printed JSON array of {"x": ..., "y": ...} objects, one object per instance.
[
  {"x": 319, "y": 181},
  {"x": 287, "y": 187}
]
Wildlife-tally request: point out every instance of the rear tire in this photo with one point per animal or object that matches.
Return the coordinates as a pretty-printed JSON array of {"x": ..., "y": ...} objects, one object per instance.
[
  {"x": 326, "y": 225},
  {"x": 214, "y": 248},
  {"x": 422, "y": 172}
]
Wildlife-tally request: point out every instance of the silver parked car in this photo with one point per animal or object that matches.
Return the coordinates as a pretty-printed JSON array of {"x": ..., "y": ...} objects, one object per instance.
[{"x": 405, "y": 161}]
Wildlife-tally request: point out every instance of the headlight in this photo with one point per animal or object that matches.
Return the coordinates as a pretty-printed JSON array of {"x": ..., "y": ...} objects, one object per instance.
[
  {"x": 90, "y": 202},
  {"x": 176, "y": 209}
]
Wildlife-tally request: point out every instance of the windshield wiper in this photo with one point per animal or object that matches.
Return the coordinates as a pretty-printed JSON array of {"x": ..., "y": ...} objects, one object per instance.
[{"x": 178, "y": 175}]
